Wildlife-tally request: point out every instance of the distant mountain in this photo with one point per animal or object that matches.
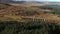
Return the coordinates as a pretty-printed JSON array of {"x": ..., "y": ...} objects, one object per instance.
[
  {"x": 29, "y": 3},
  {"x": 18, "y": 2},
  {"x": 10, "y": 1}
]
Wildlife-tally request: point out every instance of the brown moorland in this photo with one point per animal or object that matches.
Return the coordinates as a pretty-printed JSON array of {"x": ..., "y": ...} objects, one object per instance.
[{"x": 22, "y": 14}]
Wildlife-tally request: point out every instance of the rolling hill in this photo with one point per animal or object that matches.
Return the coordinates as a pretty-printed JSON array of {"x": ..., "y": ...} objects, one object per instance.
[{"x": 25, "y": 14}]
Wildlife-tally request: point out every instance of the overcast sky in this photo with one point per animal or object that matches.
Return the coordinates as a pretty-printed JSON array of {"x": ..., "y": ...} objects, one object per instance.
[{"x": 40, "y": 0}]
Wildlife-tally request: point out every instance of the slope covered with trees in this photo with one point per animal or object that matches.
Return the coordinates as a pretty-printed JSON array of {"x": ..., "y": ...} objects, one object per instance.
[
  {"x": 54, "y": 8},
  {"x": 40, "y": 27}
]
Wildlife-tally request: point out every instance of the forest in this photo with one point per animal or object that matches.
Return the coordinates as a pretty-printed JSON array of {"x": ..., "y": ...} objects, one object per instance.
[{"x": 37, "y": 27}]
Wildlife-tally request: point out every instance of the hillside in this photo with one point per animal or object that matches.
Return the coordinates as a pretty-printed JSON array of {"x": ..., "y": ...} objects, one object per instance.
[
  {"x": 22, "y": 14},
  {"x": 54, "y": 8},
  {"x": 29, "y": 20},
  {"x": 14, "y": 11}
]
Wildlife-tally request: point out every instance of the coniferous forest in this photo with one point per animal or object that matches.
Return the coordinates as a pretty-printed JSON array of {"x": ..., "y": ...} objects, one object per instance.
[{"x": 40, "y": 27}]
